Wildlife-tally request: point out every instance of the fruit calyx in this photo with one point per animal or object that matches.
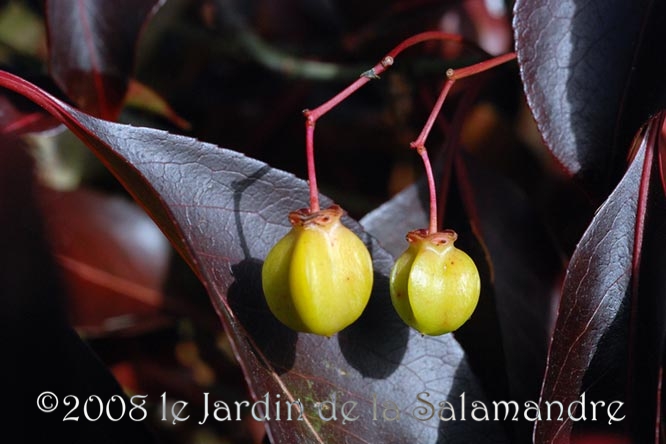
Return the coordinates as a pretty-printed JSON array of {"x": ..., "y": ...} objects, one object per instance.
[
  {"x": 443, "y": 237},
  {"x": 305, "y": 217}
]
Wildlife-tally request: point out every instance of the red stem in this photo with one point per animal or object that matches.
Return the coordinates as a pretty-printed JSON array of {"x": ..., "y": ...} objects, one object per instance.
[
  {"x": 309, "y": 152},
  {"x": 311, "y": 116},
  {"x": 423, "y": 37},
  {"x": 419, "y": 143},
  {"x": 451, "y": 147},
  {"x": 432, "y": 227},
  {"x": 467, "y": 71}
]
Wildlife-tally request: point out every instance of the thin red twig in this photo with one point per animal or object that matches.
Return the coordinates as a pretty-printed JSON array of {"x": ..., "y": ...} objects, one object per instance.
[
  {"x": 419, "y": 143},
  {"x": 311, "y": 116}
]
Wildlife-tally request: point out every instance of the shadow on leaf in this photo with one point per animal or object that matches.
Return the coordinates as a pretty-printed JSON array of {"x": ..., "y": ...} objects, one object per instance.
[
  {"x": 376, "y": 343},
  {"x": 239, "y": 188},
  {"x": 246, "y": 299}
]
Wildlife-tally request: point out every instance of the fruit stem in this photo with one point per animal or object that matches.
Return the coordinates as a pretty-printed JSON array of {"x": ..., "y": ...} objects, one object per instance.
[
  {"x": 419, "y": 144},
  {"x": 312, "y": 175},
  {"x": 432, "y": 227},
  {"x": 311, "y": 116}
]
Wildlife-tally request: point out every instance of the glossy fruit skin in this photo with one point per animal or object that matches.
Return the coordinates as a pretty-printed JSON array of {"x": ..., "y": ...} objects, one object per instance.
[
  {"x": 434, "y": 286},
  {"x": 318, "y": 278}
]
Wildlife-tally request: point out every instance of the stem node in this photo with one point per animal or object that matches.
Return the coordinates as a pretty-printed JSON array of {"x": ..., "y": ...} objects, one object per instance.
[
  {"x": 387, "y": 61},
  {"x": 370, "y": 74},
  {"x": 419, "y": 147},
  {"x": 311, "y": 116}
]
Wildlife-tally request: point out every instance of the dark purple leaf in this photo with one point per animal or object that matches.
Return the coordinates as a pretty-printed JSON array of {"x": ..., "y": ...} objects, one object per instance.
[
  {"x": 592, "y": 75},
  {"x": 92, "y": 47},
  {"x": 517, "y": 261},
  {"x": 15, "y": 118},
  {"x": 113, "y": 260},
  {"x": 609, "y": 336},
  {"x": 223, "y": 211},
  {"x": 648, "y": 317},
  {"x": 43, "y": 353},
  {"x": 525, "y": 267}
]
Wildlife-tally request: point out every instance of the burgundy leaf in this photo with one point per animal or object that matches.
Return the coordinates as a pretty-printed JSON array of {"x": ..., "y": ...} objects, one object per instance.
[
  {"x": 648, "y": 306},
  {"x": 526, "y": 269},
  {"x": 609, "y": 336},
  {"x": 91, "y": 49},
  {"x": 223, "y": 211},
  {"x": 15, "y": 118},
  {"x": 592, "y": 75},
  {"x": 523, "y": 267},
  {"x": 42, "y": 352},
  {"x": 113, "y": 259}
]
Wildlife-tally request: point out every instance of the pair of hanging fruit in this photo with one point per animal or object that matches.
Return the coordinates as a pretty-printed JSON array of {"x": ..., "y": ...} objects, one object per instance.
[{"x": 318, "y": 278}]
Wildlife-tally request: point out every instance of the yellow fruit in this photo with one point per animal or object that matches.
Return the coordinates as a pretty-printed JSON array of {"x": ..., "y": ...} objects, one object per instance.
[
  {"x": 318, "y": 278},
  {"x": 434, "y": 286}
]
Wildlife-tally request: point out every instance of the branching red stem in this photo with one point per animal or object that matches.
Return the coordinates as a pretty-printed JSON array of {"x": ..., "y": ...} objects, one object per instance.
[
  {"x": 419, "y": 143},
  {"x": 311, "y": 116}
]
